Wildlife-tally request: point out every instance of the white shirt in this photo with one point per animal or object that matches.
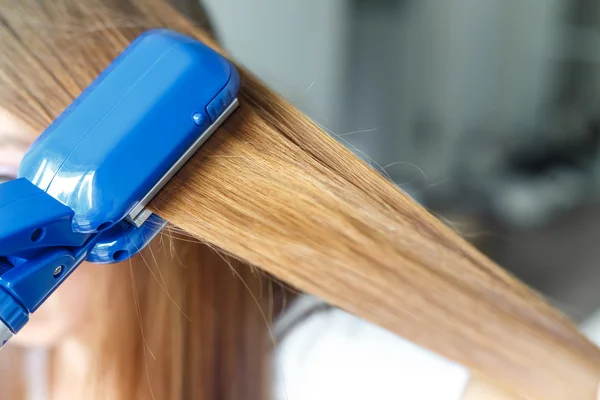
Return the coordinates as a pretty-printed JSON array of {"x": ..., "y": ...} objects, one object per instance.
[{"x": 334, "y": 355}]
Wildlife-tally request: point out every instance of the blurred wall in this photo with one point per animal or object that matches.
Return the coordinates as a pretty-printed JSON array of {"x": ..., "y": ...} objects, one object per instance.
[{"x": 299, "y": 47}]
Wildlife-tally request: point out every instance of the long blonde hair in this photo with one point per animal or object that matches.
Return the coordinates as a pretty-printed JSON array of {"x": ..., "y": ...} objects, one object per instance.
[{"x": 273, "y": 190}]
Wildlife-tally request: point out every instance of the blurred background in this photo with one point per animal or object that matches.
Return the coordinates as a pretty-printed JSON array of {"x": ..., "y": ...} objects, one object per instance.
[{"x": 485, "y": 111}]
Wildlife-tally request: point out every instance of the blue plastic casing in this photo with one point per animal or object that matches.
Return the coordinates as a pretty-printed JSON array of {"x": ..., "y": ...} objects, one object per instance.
[
  {"x": 81, "y": 179},
  {"x": 128, "y": 128}
]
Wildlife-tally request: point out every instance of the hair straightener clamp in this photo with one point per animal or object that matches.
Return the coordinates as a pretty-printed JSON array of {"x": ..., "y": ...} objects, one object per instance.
[{"x": 84, "y": 185}]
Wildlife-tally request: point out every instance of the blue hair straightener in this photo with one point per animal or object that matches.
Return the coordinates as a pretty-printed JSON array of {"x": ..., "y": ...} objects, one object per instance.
[{"x": 84, "y": 185}]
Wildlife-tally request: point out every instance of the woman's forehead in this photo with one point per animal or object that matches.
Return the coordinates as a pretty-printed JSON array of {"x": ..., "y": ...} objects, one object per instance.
[
  {"x": 14, "y": 132},
  {"x": 15, "y": 137}
]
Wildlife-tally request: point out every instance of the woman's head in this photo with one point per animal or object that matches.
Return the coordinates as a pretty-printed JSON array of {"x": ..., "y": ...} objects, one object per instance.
[
  {"x": 177, "y": 321},
  {"x": 272, "y": 189}
]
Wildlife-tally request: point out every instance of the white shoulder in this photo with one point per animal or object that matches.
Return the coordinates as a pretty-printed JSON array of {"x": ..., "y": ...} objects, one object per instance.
[{"x": 331, "y": 354}]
